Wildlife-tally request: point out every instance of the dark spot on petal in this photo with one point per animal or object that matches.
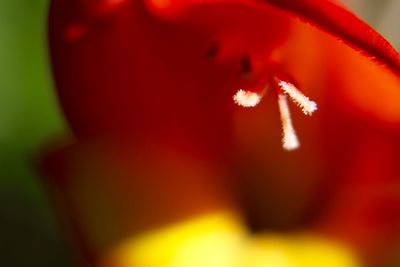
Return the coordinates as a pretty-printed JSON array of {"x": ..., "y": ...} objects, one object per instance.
[
  {"x": 213, "y": 50},
  {"x": 245, "y": 65}
]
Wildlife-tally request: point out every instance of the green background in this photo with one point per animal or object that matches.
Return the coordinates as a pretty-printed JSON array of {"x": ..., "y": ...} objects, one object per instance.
[
  {"x": 29, "y": 236},
  {"x": 29, "y": 116}
]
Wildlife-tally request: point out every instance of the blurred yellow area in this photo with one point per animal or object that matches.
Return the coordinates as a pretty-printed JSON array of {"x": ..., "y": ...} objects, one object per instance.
[
  {"x": 211, "y": 240},
  {"x": 303, "y": 250},
  {"x": 220, "y": 240}
]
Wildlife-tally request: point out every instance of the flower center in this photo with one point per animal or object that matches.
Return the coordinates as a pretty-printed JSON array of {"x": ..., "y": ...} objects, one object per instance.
[{"x": 284, "y": 90}]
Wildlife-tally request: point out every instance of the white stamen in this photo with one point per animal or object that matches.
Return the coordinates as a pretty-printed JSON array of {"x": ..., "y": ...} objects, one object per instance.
[
  {"x": 289, "y": 137},
  {"x": 247, "y": 99},
  {"x": 307, "y": 106}
]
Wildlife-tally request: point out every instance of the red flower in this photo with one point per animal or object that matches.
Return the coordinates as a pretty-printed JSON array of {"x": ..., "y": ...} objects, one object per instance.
[{"x": 169, "y": 73}]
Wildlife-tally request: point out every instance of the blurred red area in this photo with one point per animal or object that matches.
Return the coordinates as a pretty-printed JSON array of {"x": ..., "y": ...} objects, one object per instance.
[{"x": 147, "y": 87}]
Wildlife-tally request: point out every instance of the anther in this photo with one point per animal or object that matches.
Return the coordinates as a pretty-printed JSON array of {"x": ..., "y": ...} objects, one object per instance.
[
  {"x": 285, "y": 91},
  {"x": 247, "y": 99},
  {"x": 307, "y": 106},
  {"x": 290, "y": 140}
]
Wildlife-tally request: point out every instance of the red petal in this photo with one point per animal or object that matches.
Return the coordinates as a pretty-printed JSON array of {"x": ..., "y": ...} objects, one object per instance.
[
  {"x": 346, "y": 26},
  {"x": 327, "y": 15}
]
